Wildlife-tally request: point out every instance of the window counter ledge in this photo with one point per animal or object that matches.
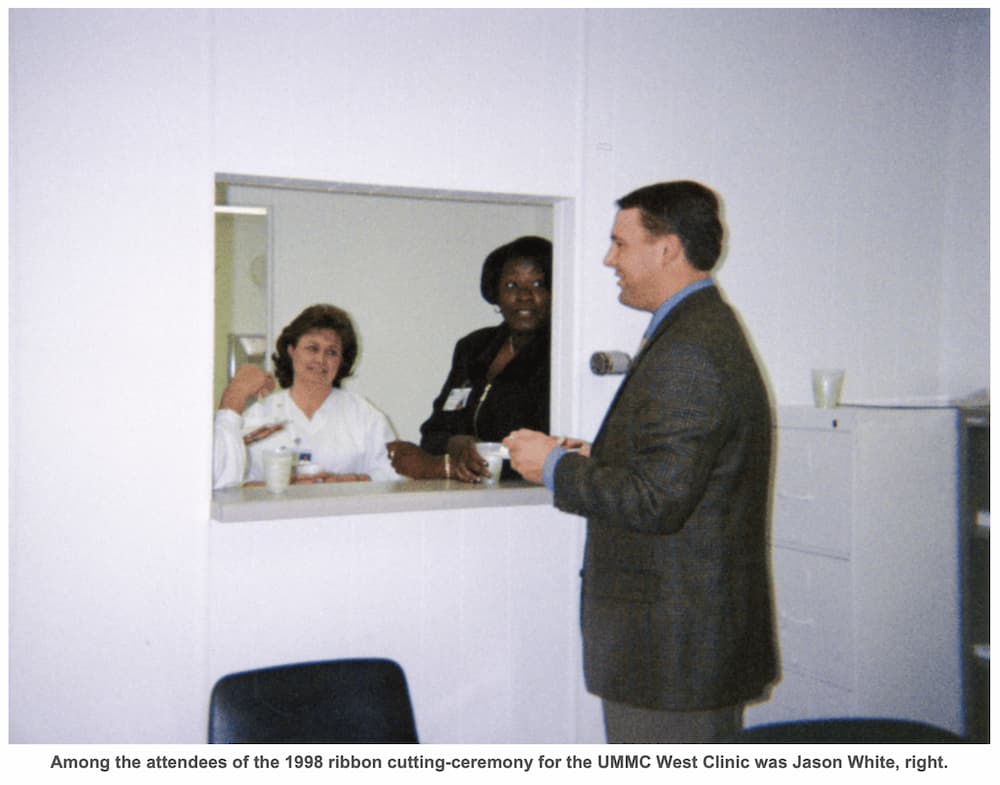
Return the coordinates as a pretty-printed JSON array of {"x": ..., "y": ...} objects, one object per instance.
[{"x": 233, "y": 505}]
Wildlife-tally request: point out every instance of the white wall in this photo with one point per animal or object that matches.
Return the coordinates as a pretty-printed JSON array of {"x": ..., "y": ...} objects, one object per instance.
[
  {"x": 111, "y": 233},
  {"x": 964, "y": 346},
  {"x": 847, "y": 146},
  {"x": 473, "y": 603},
  {"x": 850, "y": 151}
]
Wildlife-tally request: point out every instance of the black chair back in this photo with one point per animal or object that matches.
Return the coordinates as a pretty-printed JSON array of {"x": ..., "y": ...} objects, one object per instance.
[
  {"x": 350, "y": 701},
  {"x": 847, "y": 730}
]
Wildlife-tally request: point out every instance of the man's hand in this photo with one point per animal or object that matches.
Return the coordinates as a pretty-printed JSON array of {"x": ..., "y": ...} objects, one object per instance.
[{"x": 528, "y": 451}]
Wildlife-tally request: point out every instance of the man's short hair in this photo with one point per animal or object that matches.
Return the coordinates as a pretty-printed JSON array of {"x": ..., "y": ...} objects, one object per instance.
[{"x": 685, "y": 208}]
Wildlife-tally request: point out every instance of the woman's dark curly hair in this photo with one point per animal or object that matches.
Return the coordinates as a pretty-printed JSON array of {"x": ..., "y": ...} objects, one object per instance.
[
  {"x": 316, "y": 317},
  {"x": 536, "y": 250}
]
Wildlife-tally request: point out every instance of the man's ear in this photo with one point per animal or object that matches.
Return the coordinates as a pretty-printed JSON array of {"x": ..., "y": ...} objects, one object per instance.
[{"x": 671, "y": 247}]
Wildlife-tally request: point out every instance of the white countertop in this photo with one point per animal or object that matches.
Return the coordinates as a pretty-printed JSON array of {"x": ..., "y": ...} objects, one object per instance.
[{"x": 232, "y": 505}]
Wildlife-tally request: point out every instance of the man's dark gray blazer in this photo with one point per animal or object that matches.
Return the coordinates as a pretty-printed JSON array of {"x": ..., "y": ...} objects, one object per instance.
[{"x": 676, "y": 607}]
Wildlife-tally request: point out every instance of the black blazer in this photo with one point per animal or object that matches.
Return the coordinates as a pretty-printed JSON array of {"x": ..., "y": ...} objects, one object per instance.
[
  {"x": 517, "y": 398},
  {"x": 677, "y": 609}
]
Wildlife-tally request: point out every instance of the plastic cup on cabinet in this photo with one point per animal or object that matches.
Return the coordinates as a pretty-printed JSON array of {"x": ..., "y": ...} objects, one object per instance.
[{"x": 828, "y": 383}]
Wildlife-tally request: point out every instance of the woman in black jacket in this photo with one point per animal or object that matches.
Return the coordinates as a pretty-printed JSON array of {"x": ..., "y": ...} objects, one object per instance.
[{"x": 499, "y": 378}]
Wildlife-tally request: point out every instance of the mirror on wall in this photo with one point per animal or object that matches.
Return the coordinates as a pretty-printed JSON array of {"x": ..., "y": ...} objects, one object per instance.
[{"x": 404, "y": 263}]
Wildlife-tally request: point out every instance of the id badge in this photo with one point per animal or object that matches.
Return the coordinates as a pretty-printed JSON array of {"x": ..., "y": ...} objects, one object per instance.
[{"x": 457, "y": 399}]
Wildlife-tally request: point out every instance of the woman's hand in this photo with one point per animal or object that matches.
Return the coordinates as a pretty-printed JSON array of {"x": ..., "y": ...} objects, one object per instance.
[
  {"x": 411, "y": 461},
  {"x": 248, "y": 381},
  {"x": 316, "y": 479},
  {"x": 467, "y": 464},
  {"x": 262, "y": 433},
  {"x": 329, "y": 477},
  {"x": 464, "y": 461}
]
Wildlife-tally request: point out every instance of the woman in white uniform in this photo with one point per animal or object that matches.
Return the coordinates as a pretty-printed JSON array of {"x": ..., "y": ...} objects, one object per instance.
[{"x": 340, "y": 433}]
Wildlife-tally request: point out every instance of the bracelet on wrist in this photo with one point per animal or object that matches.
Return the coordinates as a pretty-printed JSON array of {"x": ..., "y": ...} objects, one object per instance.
[{"x": 447, "y": 466}]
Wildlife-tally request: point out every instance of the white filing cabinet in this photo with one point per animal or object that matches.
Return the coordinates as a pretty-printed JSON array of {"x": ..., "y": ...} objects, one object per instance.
[{"x": 866, "y": 567}]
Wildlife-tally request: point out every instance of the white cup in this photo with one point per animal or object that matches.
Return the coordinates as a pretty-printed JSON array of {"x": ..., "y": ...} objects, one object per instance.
[
  {"x": 307, "y": 469},
  {"x": 277, "y": 469},
  {"x": 492, "y": 453},
  {"x": 827, "y": 386}
]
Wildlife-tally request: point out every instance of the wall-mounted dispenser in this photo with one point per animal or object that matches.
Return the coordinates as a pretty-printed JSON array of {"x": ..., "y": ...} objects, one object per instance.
[{"x": 610, "y": 362}]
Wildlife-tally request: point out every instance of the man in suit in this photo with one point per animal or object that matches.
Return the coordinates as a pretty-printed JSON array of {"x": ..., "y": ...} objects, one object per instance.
[{"x": 676, "y": 598}]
